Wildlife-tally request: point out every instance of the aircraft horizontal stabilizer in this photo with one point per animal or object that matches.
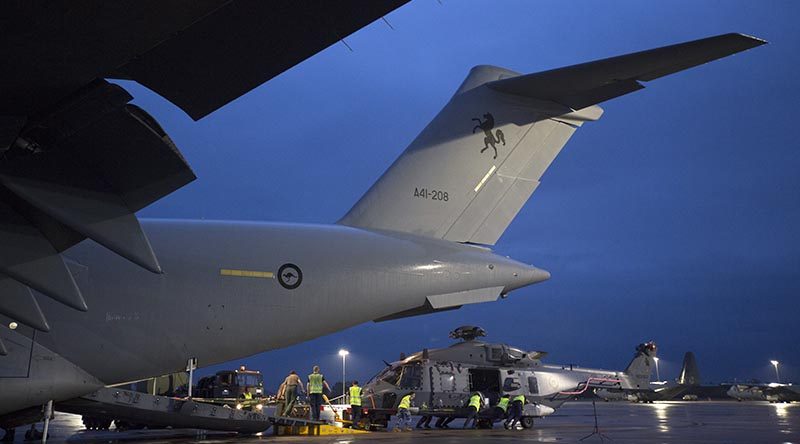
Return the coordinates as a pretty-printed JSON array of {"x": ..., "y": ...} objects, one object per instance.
[
  {"x": 18, "y": 303},
  {"x": 586, "y": 84}
]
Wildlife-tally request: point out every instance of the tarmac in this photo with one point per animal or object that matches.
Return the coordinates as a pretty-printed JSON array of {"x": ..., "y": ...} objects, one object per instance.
[{"x": 619, "y": 422}]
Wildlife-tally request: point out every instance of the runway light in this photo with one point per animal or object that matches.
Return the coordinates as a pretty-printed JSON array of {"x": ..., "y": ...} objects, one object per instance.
[{"x": 13, "y": 325}]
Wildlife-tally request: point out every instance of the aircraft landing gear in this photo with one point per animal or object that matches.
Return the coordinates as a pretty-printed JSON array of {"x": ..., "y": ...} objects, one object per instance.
[
  {"x": 527, "y": 422},
  {"x": 33, "y": 434}
]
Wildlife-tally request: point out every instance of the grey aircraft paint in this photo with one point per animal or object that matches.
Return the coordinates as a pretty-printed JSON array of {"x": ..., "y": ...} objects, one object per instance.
[{"x": 106, "y": 311}]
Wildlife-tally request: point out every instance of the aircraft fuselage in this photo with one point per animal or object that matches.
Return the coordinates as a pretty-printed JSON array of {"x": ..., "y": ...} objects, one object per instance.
[{"x": 231, "y": 290}]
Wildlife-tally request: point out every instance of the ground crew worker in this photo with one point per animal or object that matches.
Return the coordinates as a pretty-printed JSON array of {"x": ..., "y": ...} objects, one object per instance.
[
  {"x": 517, "y": 404},
  {"x": 501, "y": 408},
  {"x": 316, "y": 383},
  {"x": 290, "y": 386},
  {"x": 474, "y": 407},
  {"x": 280, "y": 397},
  {"x": 403, "y": 413},
  {"x": 355, "y": 403}
]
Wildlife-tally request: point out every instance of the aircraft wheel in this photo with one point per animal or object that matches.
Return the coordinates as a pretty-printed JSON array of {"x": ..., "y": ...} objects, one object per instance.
[
  {"x": 527, "y": 422},
  {"x": 34, "y": 435},
  {"x": 484, "y": 424}
]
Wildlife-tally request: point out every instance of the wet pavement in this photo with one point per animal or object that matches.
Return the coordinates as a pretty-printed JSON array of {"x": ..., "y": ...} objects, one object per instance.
[{"x": 664, "y": 422}]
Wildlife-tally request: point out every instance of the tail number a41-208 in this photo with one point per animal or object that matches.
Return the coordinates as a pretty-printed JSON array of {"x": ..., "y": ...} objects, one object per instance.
[{"x": 430, "y": 194}]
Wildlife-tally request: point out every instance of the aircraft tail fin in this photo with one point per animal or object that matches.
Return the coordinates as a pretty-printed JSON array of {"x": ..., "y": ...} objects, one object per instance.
[
  {"x": 641, "y": 366},
  {"x": 469, "y": 172},
  {"x": 689, "y": 375},
  {"x": 465, "y": 177}
]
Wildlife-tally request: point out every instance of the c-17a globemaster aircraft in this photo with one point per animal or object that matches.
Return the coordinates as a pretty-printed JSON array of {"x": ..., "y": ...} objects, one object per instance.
[{"x": 85, "y": 300}]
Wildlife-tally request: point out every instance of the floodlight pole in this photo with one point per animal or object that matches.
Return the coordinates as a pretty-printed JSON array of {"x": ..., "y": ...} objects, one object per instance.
[{"x": 777, "y": 375}]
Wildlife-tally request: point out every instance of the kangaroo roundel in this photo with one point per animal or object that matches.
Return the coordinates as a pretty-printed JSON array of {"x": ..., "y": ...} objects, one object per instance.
[{"x": 290, "y": 276}]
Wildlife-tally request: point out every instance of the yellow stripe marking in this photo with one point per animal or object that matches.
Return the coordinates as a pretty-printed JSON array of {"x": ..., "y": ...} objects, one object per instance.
[
  {"x": 247, "y": 273},
  {"x": 485, "y": 178}
]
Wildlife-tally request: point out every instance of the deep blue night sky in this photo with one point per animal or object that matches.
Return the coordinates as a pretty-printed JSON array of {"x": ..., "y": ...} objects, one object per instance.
[{"x": 674, "y": 218}]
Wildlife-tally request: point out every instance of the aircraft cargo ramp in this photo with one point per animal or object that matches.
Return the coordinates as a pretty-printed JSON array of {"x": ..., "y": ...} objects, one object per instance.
[{"x": 164, "y": 411}]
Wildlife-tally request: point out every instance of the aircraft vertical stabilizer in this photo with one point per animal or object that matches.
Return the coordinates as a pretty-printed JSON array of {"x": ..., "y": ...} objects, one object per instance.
[
  {"x": 641, "y": 367},
  {"x": 690, "y": 375},
  {"x": 470, "y": 171}
]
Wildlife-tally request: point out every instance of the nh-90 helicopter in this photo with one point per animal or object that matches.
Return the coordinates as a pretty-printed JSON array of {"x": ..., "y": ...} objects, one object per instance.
[{"x": 444, "y": 380}]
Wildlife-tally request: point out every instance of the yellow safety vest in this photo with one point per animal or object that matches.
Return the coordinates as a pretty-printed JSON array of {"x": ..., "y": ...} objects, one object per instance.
[
  {"x": 405, "y": 403},
  {"x": 315, "y": 383},
  {"x": 520, "y": 398},
  {"x": 503, "y": 403},
  {"x": 475, "y": 401},
  {"x": 248, "y": 395},
  {"x": 355, "y": 395}
]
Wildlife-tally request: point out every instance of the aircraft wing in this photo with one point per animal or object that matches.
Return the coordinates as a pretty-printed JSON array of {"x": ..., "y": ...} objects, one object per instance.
[{"x": 77, "y": 160}]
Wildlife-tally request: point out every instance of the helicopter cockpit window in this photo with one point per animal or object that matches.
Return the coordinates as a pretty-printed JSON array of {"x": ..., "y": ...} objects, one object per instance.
[
  {"x": 411, "y": 376},
  {"x": 403, "y": 376},
  {"x": 389, "y": 374}
]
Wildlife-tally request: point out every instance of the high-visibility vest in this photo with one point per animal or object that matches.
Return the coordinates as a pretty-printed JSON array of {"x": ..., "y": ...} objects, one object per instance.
[
  {"x": 503, "y": 403},
  {"x": 315, "y": 383},
  {"x": 355, "y": 395},
  {"x": 475, "y": 401},
  {"x": 520, "y": 398},
  {"x": 248, "y": 395},
  {"x": 405, "y": 403}
]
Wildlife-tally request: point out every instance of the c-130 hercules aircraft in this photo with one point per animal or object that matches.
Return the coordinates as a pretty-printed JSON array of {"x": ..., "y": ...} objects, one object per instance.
[{"x": 85, "y": 300}]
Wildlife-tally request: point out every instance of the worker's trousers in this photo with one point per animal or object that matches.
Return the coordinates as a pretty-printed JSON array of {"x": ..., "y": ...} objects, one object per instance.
[
  {"x": 472, "y": 415},
  {"x": 315, "y": 402},
  {"x": 291, "y": 398},
  {"x": 515, "y": 413},
  {"x": 356, "y": 414},
  {"x": 403, "y": 419}
]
